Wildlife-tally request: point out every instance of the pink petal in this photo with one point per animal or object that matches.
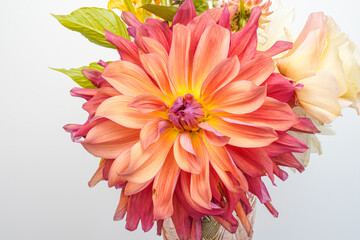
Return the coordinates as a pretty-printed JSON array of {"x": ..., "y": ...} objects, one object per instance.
[
  {"x": 279, "y": 87},
  {"x": 196, "y": 229},
  {"x": 224, "y": 20},
  {"x": 181, "y": 220},
  {"x": 108, "y": 139},
  {"x": 286, "y": 144},
  {"x": 257, "y": 187},
  {"x": 85, "y": 93},
  {"x": 277, "y": 48},
  {"x": 213, "y": 47},
  {"x": 237, "y": 97},
  {"x": 164, "y": 187},
  {"x": 305, "y": 125},
  {"x": 185, "y": 13},
  {"x": 231, "y": 224},
  {"x": 288, "y": 160},
  {"x": 244, "y": 42},
  {"x": 126, "y": 48}
]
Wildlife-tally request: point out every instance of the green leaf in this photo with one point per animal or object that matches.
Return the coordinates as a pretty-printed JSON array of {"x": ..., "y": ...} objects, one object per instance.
[
  {"x": 200, "y": 6},
  {"x": 92, "y": 22},
  {"x": 78, "y": 77},
  {"x": 166, "y": 13}
]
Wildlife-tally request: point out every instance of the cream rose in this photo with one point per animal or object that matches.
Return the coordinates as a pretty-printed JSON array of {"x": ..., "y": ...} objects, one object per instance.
[{"x": 324, "y": 61}]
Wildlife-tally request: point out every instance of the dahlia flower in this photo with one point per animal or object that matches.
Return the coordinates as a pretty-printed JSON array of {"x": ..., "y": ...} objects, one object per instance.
[
  {"x": 189, "y": 121},
  {"x": 323, "y": 61}
]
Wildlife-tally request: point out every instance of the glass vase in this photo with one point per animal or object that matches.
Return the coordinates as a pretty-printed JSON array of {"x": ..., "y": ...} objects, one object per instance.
[{"x": 212, "y": 230}]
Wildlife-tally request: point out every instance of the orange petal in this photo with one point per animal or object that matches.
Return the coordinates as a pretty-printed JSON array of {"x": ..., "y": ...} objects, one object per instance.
[
  {"x": 108, "y": 139},
  {"x": 163, "y": 188},
  {"x": 129, "y": 79},
  {"x": 200, "y": 184},
  {"x": 242, "y": 134},
  {"x": 272, "y": 113},
  {"x": 152, "y": 130},
  {"x": 257, "y": 70},
  {"x": 185, "y": 155},
  {"x": 147, "y": 103},
  {"x": 222, "y": 74},
  {"x": 157, "y": 68},
  {"x": 117, "y": 109},
  {"x": 151, "y": 160},
  {"x": 222, "y": 164},
  {"x": 179, "y": 57},
  {"x": 153, "y": 46},
  {"x": 212, "y": 136},
  {"x": 133, "y": 188},
  {"x": 120, "y": 164},
  {"x": 122, "y": 207},
  {"x": 98, "y": 175},
  {"x": 213, "y": 47},
  {"x": 237, "y": 97}
]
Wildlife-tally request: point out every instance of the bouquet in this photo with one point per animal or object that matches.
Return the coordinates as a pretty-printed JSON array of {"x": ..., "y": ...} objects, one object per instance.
[{"x": 206, "y": 100}]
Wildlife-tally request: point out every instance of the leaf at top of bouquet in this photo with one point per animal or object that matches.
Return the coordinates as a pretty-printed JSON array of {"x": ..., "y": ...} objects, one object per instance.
[
  {"x": 78, "y": 76},
  {"x": 90, "y": 23},
  {"x": 165, "y": 12}
]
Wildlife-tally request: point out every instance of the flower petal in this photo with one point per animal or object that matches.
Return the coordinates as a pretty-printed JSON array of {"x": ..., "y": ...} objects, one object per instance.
[
  {"x": 117, "y": 109},
  {"x": 98, "y": 175},
  {"x": 147, "y": 103},
  {"x": 120, "y": 164},
  {"x": 242, "y": 134},
  {"x": 185, "y": 155},
  {"x": 285, "y": 144},
  {"x": 222, "y": 163},
  {"x": 200, "y": 190},
  {"x": 156, "y": 67},
  {"x": 237, "y": 97},
  {"x": 122, "y": 207},
  {"x": 152, "y": 130},
  {"x": 279, "y": 87},
  {"x": 222, "y": 74},
  {"x": 272, "y": 113},
  {"x": 126, "y": 48},
  {"x": 164, "y": 187},
  {"x": 129, "y": 79},
  {"x": 213, "y": 47},
  {"x": 185, "y": 13},
  {"x": 244, "y": 42},
  {"x": 108, "y": 139},
  {"x": 152, "y": 159},
  {"x": 256, "y": 70},
  {"x": 319, "y": 97},
  {"x": 179, "y": 57},
  {"x": 212, "y": 136}
]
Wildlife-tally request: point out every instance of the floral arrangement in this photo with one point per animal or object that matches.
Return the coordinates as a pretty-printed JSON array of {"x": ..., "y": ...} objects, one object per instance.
[{"x": 207, "y": 99}]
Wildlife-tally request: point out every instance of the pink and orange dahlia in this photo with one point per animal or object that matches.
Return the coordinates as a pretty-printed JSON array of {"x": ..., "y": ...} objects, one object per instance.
[{"x": 189, "y": 121}]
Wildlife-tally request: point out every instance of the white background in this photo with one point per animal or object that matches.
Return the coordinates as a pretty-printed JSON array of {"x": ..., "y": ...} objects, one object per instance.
[{"x": 43, "y": 175}]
